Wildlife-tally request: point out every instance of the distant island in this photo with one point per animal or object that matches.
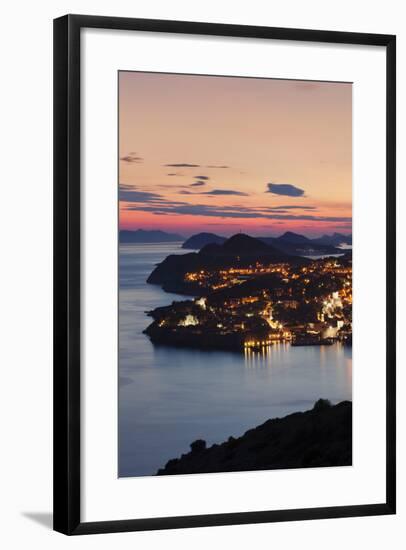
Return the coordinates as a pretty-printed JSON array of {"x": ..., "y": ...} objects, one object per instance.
[
  {"x": 335, "y": 239},
  {"x": 318, "y": 437},
  {"x": 248, "y": 295},
  {"x": 288, "y": 243},
  {"x": 198, "y": 241},
  {"x": 153, "y": 236}
]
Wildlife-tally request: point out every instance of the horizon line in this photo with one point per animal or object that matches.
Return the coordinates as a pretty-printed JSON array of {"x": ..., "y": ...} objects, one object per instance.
[{"x": 345, "y": 232}]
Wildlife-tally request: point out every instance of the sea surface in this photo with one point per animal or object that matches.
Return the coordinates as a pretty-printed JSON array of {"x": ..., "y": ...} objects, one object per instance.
[{"x": 169, "y": 397}]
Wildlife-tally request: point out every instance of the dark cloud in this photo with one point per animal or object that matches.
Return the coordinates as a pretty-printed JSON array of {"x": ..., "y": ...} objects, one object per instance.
[
  {"x": 182, "y": 165},
  {"x": 204, "y": 178},
  {"x": 225, "y": 192},
  {"x": 189, "y": 165},
  {"x": 289, "y": 207},
  {"x": 308, "y": 217},
  {"x": 132, "y": 158},
  {"x": 285, "y": 189},
  {"x": 196, "y": 210},
  {"x": 146, "y": 201},
  {"x": 218, "y": 212},
  {"x": 130, "y": 193},
  {"x": 197, "y": 184},
  {"x": 278, "y": 211},
  {"x": 182, "y": 208}
]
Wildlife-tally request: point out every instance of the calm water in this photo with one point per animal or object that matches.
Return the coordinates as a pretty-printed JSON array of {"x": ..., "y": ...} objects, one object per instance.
[{"x": 170, "y": 397}]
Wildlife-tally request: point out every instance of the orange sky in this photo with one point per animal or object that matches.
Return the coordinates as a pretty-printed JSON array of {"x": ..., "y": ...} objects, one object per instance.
[{"x": 221, "y": 154}]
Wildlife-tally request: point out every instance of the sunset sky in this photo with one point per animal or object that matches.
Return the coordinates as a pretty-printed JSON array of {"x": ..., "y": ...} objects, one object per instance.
[{"x": 226, "y": 154}]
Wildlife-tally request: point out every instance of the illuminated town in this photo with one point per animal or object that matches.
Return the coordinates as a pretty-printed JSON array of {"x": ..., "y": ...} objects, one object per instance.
[{"x": 252, "y": 307}]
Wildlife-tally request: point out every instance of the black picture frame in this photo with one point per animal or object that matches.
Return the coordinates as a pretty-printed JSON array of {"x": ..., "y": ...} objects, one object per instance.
[{"x": 67, "y": 254}]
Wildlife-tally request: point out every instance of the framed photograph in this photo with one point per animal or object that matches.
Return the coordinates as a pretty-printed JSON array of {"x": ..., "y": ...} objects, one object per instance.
[{"x": 224, "y": 303}]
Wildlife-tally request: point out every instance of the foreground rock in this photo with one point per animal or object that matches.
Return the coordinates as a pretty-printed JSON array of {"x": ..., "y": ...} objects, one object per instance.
[{"x": 315, "y": 438}]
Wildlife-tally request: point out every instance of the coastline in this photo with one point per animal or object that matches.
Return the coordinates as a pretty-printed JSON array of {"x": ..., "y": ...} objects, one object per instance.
[{"x": 319, "y": 437}]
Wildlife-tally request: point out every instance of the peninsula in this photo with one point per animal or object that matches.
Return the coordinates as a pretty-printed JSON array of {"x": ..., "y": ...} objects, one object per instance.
[{"x": 247, "y": 295}]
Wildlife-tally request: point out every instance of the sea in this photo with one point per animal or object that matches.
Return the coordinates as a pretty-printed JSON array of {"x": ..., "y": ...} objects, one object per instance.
[{"x": 169, "y": 397}]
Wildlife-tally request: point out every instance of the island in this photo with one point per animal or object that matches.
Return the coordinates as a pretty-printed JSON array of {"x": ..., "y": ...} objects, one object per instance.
[
  {"x": 153, "y": 236},
  {"x": 198, "y": 241},
  {"x": 288, "y": 243},
  {"x": 246, "y": 295},
  {"x": 319, "y": 437},
  {"x": 336, "y": 239}
]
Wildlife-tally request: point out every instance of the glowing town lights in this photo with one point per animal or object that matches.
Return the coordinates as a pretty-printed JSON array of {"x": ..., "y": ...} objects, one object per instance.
[
  {"x": 269, "y": 312},
  {"x": 201, "y": 302},
  {"x": 189, "y": 320}
]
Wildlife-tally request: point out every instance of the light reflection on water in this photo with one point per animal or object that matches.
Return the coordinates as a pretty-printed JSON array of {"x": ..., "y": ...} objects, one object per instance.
[
  {"x": 169, "y": 397},
  {"x": 264, "y": 357}
]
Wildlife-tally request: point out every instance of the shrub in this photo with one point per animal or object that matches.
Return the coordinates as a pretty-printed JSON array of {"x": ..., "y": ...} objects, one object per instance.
[
  {"x": 322, "y": 404},
  {"x": 198, "y": 446}
]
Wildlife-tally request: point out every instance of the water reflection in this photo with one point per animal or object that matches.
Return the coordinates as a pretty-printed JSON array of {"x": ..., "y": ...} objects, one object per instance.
[
  {"x": 263, "y": 356},
  {"x": 257, "y": 358}
]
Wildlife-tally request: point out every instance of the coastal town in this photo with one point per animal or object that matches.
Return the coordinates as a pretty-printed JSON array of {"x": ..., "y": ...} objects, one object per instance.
[{"x": 250, "y": 307}]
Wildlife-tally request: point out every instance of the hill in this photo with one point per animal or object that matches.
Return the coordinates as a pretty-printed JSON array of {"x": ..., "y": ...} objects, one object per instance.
[
  {"x": 239, "y": 245},
  {"x": 239, "y": 250},
  {"x": 288, "y": 243},
  {"x": 334, "y": 240},
  {"x": 196, "y": 242},
  {"x": 319, "y": 437},
  {"x": 293, "y": 238}
]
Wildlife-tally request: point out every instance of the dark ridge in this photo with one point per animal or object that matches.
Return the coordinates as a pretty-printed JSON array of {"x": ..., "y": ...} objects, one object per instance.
[
  {"x": 333, "y": 240},
  {"x": 212, "y": 249},
  {"x": 293, "y": 238},
  {"x": 196, "y": 242},
  {"x": 289, "y": 243},
  {"x": 307, "y": 248},
  {"x": 243, "y": 246},
  {"x": 239, "y": 250},
  {"x": 316, "y": 438},
  {"x": 241, "y": 243}
]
